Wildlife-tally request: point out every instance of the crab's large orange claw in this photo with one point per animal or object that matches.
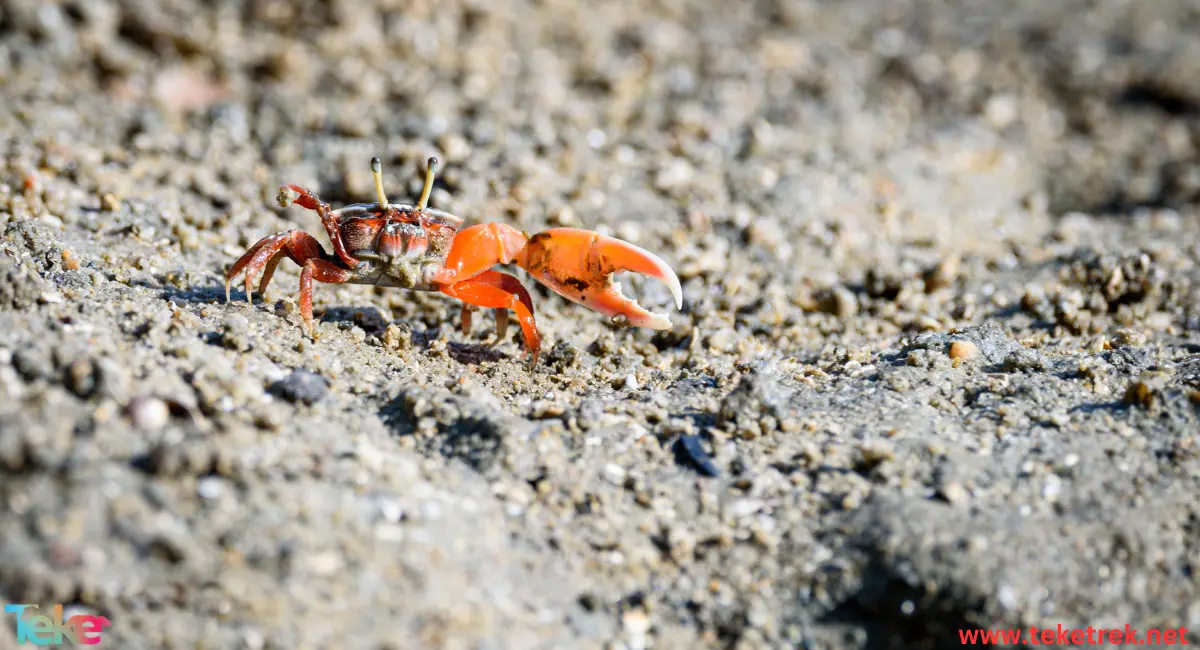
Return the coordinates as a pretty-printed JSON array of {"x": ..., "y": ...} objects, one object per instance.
[{"x": 578, "y": 265}]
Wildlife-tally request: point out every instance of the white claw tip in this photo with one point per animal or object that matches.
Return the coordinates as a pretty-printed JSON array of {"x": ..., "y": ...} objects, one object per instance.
[
  {"x": 658, "y": 322},
  {"x": 666, "y": 274},
  {"x": 676, "y": 290}
]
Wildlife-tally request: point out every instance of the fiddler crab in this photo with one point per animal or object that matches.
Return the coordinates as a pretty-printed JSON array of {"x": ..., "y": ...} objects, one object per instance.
[{"x": 421, "y": 248}]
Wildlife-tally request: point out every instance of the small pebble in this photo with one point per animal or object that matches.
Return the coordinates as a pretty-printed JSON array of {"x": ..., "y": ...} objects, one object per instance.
[
  {"x": 565, "y": 216},
  {"x": 301, "y": 386},
  {"x": 149, "y": 413},
  {"x": 954, "y": 493},
  {"x": 875, "y": 454},
  {"x": 1144, "y": 391},
  {"x": 1129, "y": 338},
  {"x": 253, "y": 640},
  {"x": 942, "y": 275},
  {"x": 326, "y": 563},
  {"x": 210, "y": 487},
  {"x": 397, "y": 337},
  {"x": 744, "y": 507},
  {"x": 110, "y": 202},
  {"x": 1007, "y": 598},
  {"x": 70, "y": 261},
  {"x": 845, "y": 304},
  {"x": 1052, "y": 488},
  {"x": 928, "y": 323},
  {"x": 674, "y": 175},
  {"x": 636, "y": 625},
  {"x": 963, "y": 350},
  {"x": 1002, "y": 110},
  {"x": 614, "y": 474},
  {"x": 81, "y": 378},
  {"x": 689, "y": 450}
]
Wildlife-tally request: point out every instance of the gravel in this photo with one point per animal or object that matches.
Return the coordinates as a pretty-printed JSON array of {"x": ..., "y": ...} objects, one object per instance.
[{"x": 938, "y": 363}]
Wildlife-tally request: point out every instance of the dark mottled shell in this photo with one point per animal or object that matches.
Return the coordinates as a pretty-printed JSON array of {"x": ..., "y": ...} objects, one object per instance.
[
  {"x": 359, "y": 234},
  {"x": 442, "y": 233},
  {"x": 400, "y": 232}
]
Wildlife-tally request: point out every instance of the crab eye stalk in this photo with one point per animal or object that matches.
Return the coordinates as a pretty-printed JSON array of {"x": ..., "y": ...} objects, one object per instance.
[
  {"x": 377, "y": 172},
  {"x": 430, "y": 171}
]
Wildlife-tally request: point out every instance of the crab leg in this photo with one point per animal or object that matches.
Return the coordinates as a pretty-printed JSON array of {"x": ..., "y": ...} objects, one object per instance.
[
  {"x": 501, "y": 320},
  {"x": 486, "y": 294},
  {"x": 323, "y": 271},
  {"x": 577, "y": 264},
  {"x": 303, "y": 249},
  {"x": 265, "y": 255},
  {"x": 289, "y": 194},
  {"x": 504, "y": 282}
]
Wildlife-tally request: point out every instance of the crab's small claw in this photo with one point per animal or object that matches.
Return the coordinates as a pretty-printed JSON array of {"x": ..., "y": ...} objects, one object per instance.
[{"x": 578, "y": 265}]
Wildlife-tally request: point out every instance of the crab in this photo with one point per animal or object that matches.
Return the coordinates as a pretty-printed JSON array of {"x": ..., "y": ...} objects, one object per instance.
[{"x": 423, "y": 249}]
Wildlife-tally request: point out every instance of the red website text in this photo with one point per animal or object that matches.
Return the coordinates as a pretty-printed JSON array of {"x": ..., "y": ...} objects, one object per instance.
[{"x": 1066, "y": 636}]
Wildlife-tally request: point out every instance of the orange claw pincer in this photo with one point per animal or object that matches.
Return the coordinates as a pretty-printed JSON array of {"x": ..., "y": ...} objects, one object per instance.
[
  {"x": 577, "y": 264},
  {"x": 420, "y": 248}
]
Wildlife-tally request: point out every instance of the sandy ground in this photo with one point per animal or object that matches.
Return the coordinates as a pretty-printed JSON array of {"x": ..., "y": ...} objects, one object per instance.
[{"x": 938, "y": 365}]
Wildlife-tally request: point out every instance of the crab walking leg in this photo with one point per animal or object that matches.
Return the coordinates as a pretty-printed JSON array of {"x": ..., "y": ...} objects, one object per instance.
[
  {"x": 289, "y": 194},
  {"x": 482, "y": 294},
  {"x": 268, "y": 273},
  {"x": 501, "y": 324},
  {"x": 465, "y": 317},
  {"x": 323, "y": 271},
  {"x": 242, "y": 262},
  {"x": 473, "y": 252},
  {"x": 501, "y": 321},
  {"x": 266, "y": 254},
  {"x": 506, "y": 283}
]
